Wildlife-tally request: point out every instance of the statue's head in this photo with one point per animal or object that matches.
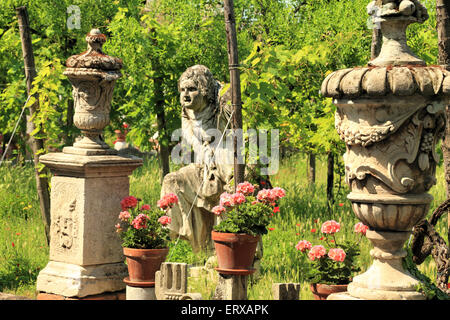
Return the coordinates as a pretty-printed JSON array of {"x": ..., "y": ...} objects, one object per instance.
[{"x": 198, "y": 88}]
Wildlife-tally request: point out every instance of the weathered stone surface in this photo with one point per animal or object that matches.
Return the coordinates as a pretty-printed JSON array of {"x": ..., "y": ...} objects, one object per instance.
[
  {"x": 231, "y": 287},
  {"x": 71, "y": 280},
  {"x": 171, "y": 282},
  {"x": 383, "y": 81},
  {"x": 137, "y": 293},
  {"x": 199, "y": 185},
  {"x": 390, "y": 117},
  {"x": 286, "y": 291}
]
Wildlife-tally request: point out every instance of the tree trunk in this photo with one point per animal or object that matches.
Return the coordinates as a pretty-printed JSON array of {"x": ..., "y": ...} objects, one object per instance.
[
  {"x": 311, "y": 168},
  {"x": 163, "y": 138},
  {"x": 233, "y": 63},
  {"x": 330, "y": 177},
  {"x": 36, "y": 144},
  {"x": 443, "y": 31}
]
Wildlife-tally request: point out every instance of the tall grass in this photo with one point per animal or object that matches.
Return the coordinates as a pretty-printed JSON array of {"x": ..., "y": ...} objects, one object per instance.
[{"x": 24, "y": 252}]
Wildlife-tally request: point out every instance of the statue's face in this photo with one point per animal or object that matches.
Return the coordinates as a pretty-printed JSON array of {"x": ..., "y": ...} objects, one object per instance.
[{"x": 190, "y": 96}]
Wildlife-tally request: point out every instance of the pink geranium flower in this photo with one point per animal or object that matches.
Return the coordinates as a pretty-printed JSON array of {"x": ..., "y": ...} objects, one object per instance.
[
  {"x": 317, "y": 252},
  {"x": 245, "y": 187},
  {"x": 218, "y": 210},
  {"x": 330, "y": 227},
  {"x": 361, "y": 228},
  {"x": 303, "y": 245},
  {"x": 226, "y": 200},
  {"x": 145, "y": 207},
  {"x": 337, "y": 254},
  {"x": 124, "y": 215},
  {"x": 140, "y": 222},
  {"x": 164, "y": 220},
  {"x": 238, "y": 198},
  {"x": 167, "y": 201}
]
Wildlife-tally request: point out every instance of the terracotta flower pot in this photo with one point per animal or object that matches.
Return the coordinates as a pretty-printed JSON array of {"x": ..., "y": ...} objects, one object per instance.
[
  {"x": 321, "y": 291},
  {"x": 235, "y": 252},
  {"x": 143, "y": 264}
]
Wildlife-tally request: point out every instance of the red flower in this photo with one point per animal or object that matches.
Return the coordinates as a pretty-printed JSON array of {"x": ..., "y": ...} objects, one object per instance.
[
  {"x": 12, "y": 243},
  {"x": 341, "y": 204},
  {"x": 322, "y": 238},
  {"x": 298, "y": 224},
  {"x": 140, "y": 221},
  {"x": 125, "y": 125},
  {"x": 276, "y": 209},
  {"x": 129, "y": 202},
  {"x": 18, "y": 234},
  {"x": 313, "y": 230},
  {"x": 145, "y": 207},
  {"x": 297, "y": 234},
  {"x": 271, "y": 229},
  {"x": 448, "y": 285}
]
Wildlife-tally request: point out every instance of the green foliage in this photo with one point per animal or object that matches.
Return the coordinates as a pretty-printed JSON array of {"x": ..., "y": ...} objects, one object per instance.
[
  {"x": 328, "y": 271},
  {"x": 141, "y": 228},
  {"x": 250, "y": 217},
  {"x": 324, "y": 267},
  {"x": 426, "y": 286}
]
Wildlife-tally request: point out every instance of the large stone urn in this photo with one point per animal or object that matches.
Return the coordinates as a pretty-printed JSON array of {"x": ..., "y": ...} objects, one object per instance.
[
  {"x": 89, "y": 181},
  {"x": 390, "y": 114}
]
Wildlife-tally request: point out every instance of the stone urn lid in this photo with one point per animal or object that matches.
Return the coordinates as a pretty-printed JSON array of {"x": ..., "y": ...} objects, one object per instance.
[
  {"x": 93, "y": 61},
  {"x": 371, "y": 82},
  {"x": 396, "y": 71}
]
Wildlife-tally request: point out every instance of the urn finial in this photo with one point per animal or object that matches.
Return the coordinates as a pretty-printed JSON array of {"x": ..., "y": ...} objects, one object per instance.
[
  {"x": 394, "y": 17},
  {"x": 93, "y": 75}
]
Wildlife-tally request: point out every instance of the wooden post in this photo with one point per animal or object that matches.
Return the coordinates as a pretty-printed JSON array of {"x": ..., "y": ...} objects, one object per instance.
[
  {"x": 233, "y": 63},
  {"x": 36, "y": 144}
]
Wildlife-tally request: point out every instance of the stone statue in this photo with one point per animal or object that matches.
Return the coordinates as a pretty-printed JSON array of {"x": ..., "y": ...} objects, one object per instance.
[{"x": 204, "y": 119}]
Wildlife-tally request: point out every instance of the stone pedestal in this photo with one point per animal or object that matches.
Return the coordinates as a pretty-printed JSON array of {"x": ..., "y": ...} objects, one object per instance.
[
  {"x": 391, "y": 115},
  {"x": 85, "y": 251},
  {"x": 386, "y": 279},
  {"x": 231, "y": 287}
]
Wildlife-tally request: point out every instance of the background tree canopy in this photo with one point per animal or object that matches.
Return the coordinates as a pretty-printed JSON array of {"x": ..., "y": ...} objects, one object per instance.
[{"x": 286, "y": 49}]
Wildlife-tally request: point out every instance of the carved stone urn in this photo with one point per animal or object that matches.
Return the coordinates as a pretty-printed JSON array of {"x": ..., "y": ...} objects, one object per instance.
[
  {"x": 93, "y": 75},
  {"x": 390, "y": 114}
]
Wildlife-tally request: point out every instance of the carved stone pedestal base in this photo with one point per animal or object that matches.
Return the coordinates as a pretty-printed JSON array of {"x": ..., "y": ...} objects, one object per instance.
[
  {"x": 86, "y": 256},
  {"x": 386, "y": 279},
  {"x": 70, "y": 280}
]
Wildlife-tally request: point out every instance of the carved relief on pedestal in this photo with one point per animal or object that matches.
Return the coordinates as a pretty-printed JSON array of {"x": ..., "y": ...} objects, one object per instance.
[
  {"x": 65, "y": 238},
  {"x": 397, "y": 148}
]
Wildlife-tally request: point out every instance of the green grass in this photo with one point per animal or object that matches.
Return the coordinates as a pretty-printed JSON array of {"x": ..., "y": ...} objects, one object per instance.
[{"x": 304, "y": 208}]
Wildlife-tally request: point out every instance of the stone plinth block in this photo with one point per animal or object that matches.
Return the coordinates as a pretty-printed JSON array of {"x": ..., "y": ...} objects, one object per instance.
[
  {"x": 86, "y": 256},
  {"x": 70, "y": 280},
  {"x": 231, "y": 287},
  {"x": 286, "y": 291},
  {"x": 171, "y": 282}
]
